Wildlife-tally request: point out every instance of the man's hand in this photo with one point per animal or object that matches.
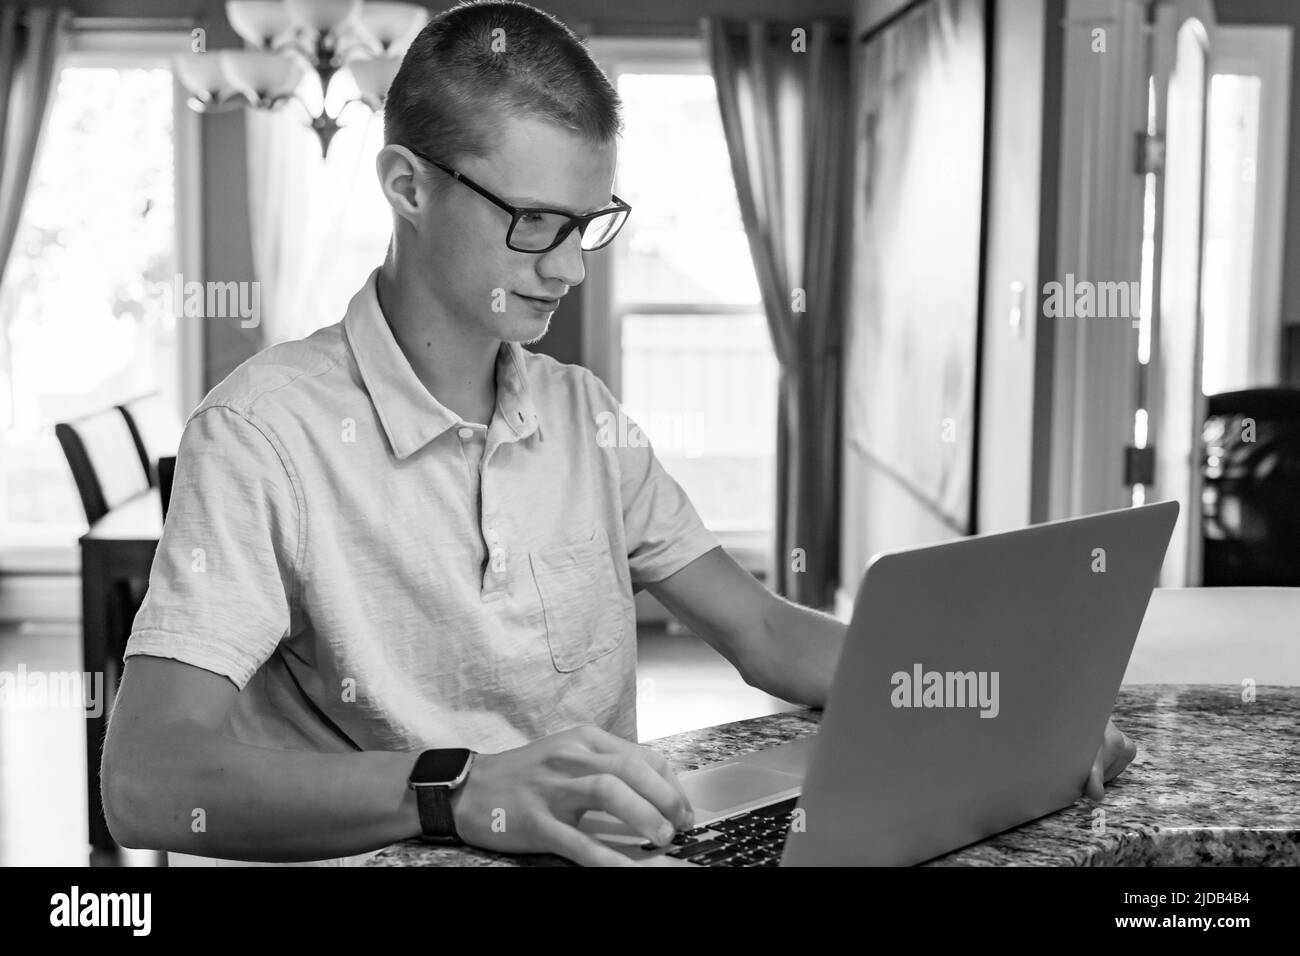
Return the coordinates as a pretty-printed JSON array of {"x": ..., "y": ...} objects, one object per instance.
[
  {"x": 545, "y": 787},
  {"x": 1117, "y": 752}
]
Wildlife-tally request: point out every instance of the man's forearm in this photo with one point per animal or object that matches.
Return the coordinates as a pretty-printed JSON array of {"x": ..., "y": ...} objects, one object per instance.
[
  {"x": 200, "y": 792},
  {"x": 796, "y": 658}
]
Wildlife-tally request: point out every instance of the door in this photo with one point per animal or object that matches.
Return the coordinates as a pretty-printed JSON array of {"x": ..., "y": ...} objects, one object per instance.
[{"x": 1171, "y": 405}]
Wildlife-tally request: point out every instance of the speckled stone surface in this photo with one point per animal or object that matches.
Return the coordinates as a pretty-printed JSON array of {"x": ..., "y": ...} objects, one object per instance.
[{"x": 1216, "y": 782}]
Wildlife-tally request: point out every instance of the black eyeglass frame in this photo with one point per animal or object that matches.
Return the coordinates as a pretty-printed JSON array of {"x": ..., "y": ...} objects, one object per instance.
[{"x": 516, "y": 212}]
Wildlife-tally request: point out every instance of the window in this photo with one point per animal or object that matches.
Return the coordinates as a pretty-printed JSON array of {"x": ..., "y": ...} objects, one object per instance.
[
  {"x": 361, "y": 221},
  {"x": 78, "y": 329},
  {"x": 685, "y": 343}
]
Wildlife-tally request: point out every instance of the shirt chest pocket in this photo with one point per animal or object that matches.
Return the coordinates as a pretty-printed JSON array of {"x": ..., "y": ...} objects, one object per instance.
[{"x": 582, "y": 601}]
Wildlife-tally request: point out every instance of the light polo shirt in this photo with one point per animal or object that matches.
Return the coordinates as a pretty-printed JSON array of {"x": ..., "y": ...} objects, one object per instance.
[{"x": 370, "y": 570}]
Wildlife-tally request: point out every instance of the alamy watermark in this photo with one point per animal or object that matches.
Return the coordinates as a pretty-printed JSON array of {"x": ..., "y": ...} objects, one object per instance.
[
  {"x": 24, "y": 688},
  {"x": 1084, "y": 299},
  {"x": 922, "y": 688},
  {"x": 126, "y": 910},
  {"x": 681, "y": 432},
  {"x": 212, "y": 300}
]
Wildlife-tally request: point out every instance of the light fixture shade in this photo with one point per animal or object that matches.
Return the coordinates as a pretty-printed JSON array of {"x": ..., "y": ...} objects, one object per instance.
[
  {"x": 388, "y": 26},
  {"x": 322, "y": 15},
  {"x": 373, "y": 76},
  {"x": 259, "y": 22},
  {"x": 202, "y": 75},
  {"x": 261, "y": 76}
]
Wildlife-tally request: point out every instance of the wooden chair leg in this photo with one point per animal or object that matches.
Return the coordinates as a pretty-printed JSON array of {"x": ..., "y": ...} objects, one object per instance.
[{"x": 96, "y": 608}]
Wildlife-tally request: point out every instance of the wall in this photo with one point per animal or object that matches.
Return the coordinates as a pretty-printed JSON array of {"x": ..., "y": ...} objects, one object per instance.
[
  {"x": 878, "y": 515},
  {"x": 226, "y": 253}
]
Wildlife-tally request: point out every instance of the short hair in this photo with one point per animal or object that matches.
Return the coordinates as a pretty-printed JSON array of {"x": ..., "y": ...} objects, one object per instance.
[{"x": 461, "y": 77}]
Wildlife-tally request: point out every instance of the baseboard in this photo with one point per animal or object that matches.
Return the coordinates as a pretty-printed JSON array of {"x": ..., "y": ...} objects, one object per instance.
[{"x": 40, "y": 597}]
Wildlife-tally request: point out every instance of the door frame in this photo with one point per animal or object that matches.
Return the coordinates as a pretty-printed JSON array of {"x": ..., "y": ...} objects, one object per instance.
[{"x": 1169, "y": 388}]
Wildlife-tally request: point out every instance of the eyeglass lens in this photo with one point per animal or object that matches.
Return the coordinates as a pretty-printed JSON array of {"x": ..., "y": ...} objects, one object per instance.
[{"x": 537, "y": 231}]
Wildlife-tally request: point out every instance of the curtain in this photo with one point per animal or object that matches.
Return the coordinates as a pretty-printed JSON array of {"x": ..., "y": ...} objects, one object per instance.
[
  {"x": 32, "y": 42},
  {"x": 783, "y": 95},
  {"x": 318, "y": 225}
]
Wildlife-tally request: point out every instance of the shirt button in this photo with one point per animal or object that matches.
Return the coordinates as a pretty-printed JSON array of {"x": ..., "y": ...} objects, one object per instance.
[
  {"x": 499, "y": 566},
  {"x": 466, "y": 433}
]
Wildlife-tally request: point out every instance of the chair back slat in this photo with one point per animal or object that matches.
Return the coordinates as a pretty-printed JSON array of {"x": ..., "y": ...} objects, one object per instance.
[
  {"x": 155, "y": 430},
  {"x": 104, "y": 459}
]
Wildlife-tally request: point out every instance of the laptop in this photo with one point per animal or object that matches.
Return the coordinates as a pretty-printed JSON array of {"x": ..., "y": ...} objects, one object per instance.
[{"x": 971, "y": 697}]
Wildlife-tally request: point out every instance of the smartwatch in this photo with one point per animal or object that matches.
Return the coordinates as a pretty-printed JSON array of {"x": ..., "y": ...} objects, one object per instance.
[{"x": 437, "y": 773}]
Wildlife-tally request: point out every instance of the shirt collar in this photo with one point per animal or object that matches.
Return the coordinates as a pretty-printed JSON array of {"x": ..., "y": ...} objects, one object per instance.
[{"x": 410, "y": 415}]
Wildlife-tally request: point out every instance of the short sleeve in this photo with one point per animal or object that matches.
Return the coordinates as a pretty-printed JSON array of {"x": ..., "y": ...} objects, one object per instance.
[
  {"x": 221, "y": 583},
  {"x": 663, "y": 530}
]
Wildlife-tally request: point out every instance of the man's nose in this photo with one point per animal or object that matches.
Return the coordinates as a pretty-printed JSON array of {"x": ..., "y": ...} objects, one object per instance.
[{"x": 564, "y": 262}]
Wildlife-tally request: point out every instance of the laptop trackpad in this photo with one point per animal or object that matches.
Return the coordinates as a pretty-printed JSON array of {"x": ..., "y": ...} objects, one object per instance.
[
  {"x": 716, "y": 789},
  {"x": 712, "y": 792}
]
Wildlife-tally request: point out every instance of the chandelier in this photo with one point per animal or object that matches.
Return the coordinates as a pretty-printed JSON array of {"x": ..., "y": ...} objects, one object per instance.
[{"x": 295, "y": 50}]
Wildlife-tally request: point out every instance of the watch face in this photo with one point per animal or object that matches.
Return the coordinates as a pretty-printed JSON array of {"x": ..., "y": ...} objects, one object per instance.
[{"x": 439, "y": 766}]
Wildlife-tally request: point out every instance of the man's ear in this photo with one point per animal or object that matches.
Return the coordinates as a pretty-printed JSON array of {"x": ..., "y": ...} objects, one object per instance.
[{"x": 403, "y": 182}]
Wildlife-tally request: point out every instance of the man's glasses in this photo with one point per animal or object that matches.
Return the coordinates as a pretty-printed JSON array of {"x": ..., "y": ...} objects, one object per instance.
[{"x": 536, "y": 229}]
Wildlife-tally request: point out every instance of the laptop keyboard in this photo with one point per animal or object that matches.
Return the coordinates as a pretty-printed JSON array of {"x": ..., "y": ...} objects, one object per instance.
[{"x": 753, "y": 838}]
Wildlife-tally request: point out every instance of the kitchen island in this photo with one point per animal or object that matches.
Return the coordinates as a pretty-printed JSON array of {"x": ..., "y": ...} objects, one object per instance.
[{"x": 1216, "y": 782}]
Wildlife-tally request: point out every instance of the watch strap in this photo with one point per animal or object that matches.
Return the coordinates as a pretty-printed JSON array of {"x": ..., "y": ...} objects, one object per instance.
[{"x": 437, "y": 823}]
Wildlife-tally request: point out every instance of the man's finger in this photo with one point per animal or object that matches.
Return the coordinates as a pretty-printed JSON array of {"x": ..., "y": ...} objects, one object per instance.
[
  {"x": 1122, "y": 755},
  {"x": 611, "y": 794},
  {"x": 573, "y": 844},
  {"x": 1094, "y": 788},
  {"x": 643, "y": 779},
  {"x": 607, "y": 743}
]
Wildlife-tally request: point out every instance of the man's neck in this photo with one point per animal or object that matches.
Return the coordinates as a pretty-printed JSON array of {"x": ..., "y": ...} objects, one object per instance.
[{"x": 459, "y": 372}]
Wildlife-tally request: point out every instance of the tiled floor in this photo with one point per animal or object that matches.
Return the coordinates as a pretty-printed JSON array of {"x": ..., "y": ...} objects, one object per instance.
[{"x": 682, "y": 684}]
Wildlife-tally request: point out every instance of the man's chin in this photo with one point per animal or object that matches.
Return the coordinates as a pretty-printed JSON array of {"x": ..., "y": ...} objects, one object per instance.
[{"x": 528, "y": 329}]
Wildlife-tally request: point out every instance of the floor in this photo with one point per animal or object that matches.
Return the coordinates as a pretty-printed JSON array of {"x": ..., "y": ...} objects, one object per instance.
[{"x": 682, "y": 684}]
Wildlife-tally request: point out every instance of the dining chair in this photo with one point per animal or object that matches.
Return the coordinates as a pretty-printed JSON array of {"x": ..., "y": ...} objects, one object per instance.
[
  {"x": 1251, "y": 473},
  {"x": 154, "y": 428},
  {"x": 104, "y": 457},
  {"x": 166, "y": 473},
  {"x": 105, "y": 461}
]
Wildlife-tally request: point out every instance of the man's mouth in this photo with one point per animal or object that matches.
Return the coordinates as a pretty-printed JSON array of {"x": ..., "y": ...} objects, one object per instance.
[{"x": 546, "y": 305}]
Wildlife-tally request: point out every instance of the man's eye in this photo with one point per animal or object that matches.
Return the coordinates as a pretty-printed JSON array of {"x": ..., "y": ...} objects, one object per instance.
[{"x": 531, "y": 217}]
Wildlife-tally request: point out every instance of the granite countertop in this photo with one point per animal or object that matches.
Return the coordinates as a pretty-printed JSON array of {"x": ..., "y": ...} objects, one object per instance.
[{"x": 1206, "y": 760}]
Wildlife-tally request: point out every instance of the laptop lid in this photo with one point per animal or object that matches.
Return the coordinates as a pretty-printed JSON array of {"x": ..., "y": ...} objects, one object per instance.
[{"x": 974, "y": 686}]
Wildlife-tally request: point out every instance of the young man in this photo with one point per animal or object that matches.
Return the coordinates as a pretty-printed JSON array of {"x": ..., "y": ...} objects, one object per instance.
[{"x": 405, "y": 536}]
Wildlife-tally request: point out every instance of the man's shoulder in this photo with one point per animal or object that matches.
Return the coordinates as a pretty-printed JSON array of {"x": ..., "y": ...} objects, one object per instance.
[
  {"x": 273, "y": 377},
  {"x": 567, "y": 384}
]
